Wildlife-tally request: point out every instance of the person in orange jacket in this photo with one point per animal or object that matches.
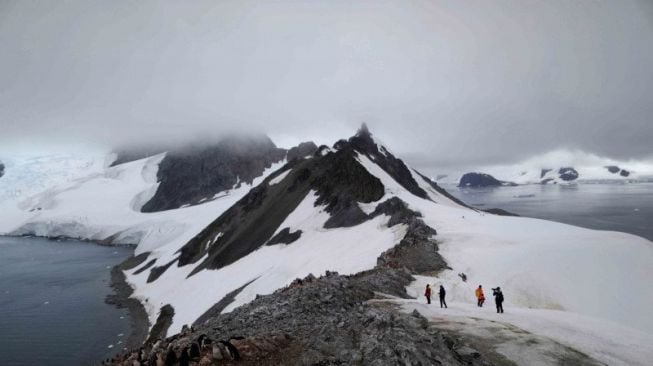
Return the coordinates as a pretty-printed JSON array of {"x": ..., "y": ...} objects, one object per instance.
[
  {"x": 427, "y": 293},
  {"x": 480, "y": 296}
]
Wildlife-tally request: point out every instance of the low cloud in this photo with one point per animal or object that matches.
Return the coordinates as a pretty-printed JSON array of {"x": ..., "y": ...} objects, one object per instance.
[{"x": 449, "y": 82}]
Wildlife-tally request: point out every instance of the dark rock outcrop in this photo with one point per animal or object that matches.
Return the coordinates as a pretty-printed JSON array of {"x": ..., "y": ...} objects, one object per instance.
[
  {"x": 568, "y": 174},
  {"x": 363, "y": 143},
  {"x": 163, "y": 322},
  {"x": 302, "y": 150},
  {"x": 613, "y": 169},
  {"x": 157, "y": 271},
  {"x": 2, "y": 169},
  {"x": 285, "y": 237},
  {"x": 417, "y": 251},
  {"x": 194, "y": 174},
  {"x": 479, "y": 180}
]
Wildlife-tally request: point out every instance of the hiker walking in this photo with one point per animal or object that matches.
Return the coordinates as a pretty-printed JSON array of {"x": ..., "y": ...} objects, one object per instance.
[
  {"x": 498, "y": 299},
  {"x": 443, "y": 293},
  {"x": 427, "y": 293},
  {"x": 480, "y": 296}
]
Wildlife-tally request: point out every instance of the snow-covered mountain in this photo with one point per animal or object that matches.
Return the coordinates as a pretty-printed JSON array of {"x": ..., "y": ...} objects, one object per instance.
[
  {"x": 346, "y": 208},
  {"x": 559, "y": 167}
]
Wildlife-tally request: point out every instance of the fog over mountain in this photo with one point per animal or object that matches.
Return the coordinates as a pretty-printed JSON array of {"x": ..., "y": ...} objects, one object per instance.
[{"x": 444, "y": 83}]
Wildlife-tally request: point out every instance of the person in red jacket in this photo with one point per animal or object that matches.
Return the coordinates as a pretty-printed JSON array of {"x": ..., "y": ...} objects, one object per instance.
[
  {"x": 480, "y": 296},
  {"x": 427, "y": 293}
]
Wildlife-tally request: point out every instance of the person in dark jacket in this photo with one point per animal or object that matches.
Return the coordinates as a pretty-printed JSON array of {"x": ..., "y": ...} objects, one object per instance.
[
  {"x": 498, "y": 299},
  {"x": 427, "y": 293},
  {"x": 443, "y": 293}
]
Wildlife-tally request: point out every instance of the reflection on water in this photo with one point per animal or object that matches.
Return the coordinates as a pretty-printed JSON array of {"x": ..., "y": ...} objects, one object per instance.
[
  {"x": 626, "y": 207},
  {"x": 52, "y": 309}
]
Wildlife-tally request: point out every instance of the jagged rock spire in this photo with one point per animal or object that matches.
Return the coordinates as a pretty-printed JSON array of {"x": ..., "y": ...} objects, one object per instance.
[{"x": 363, "y": 131}]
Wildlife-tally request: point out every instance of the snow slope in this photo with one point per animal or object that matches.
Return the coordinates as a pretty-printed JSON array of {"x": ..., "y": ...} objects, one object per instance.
[
  {"x": 607, "y": 342},
  {"x": 537, "y": 263}
]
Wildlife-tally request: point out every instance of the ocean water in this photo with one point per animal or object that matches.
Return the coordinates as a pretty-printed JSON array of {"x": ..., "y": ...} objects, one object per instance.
[
  {"x": 625, "y": 207},
  {"x": 52, "y": 309}
]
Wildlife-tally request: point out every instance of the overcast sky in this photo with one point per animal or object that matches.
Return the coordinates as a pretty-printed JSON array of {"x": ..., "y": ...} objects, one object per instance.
[{"x": 441, "y": 82}]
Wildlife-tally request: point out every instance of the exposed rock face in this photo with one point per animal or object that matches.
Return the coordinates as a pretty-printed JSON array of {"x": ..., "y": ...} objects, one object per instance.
[
  {"x": 302, "y": 150},
  {"x": 324, "y": 321},
  {"x": 193, "y": 174},
  {"x": 363, "y": 143},
  {"x": 285, "y": 237},
  {"x": 2, "y": 169},
  {"x": 613, "y": 169},
  {"x": 479, "y": 180},
  {"x": 417, "y": 251},
  {"x": 568, "y": 174}
]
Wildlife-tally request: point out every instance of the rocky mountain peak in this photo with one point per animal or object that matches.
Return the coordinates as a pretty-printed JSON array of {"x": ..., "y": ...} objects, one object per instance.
[
  {"x": 195, "y": 173},
  {"x": 363, "y": 131}
]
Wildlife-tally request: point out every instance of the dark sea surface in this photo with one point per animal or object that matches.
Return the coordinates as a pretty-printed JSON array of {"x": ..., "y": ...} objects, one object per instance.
[
  {"x": 52, "y": 309},
  {"x": 626, "y": 207}
]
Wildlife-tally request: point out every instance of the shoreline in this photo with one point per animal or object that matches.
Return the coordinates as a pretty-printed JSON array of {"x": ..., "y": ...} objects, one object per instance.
[{"x": 138, "y": 319}]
